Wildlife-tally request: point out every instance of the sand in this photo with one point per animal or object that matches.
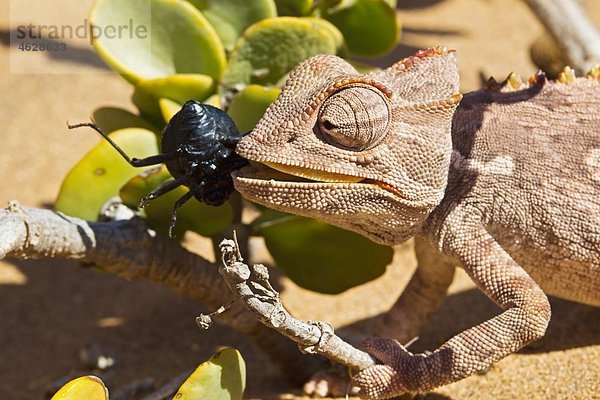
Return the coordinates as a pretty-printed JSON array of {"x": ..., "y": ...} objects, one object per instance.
[{"x": 49, "y": 310}]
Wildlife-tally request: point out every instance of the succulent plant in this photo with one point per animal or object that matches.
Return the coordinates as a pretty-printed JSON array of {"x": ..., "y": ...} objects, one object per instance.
[
  {"x": 232, "y": 54},
  {"x": 223, "y": 377}
]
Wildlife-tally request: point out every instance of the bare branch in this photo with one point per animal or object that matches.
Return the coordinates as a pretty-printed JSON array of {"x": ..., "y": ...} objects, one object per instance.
[
  {"x": 130, "y": 249},
  {"x": 133, "y": 389},
  {"x": 258, "y": 296},
  {"x": 127, "y": 248},
  {"x": 575, "y": 34},
  {"x": 170, "y": 388}
]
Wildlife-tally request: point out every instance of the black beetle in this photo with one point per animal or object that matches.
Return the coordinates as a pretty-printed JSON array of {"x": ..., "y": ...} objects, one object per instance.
[{"x": 198, "y": 148}]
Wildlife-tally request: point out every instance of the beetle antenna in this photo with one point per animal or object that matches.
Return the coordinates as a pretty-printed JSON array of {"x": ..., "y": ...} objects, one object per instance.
[
  {"x": 104, "y": 135},
  {"x": 135, "y": 162}
]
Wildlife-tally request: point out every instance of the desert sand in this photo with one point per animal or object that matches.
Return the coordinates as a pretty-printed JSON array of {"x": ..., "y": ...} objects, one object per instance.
[{"x": 49, "y": 310}]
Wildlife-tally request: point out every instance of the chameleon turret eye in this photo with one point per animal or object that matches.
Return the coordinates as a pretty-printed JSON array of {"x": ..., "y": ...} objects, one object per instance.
[{"x": 354, "y": 118}]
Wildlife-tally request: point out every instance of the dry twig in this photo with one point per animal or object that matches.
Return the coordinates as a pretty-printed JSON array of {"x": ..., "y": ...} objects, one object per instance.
[
  {"x": 130, "y": 249},
  {"x": 258, "y": 296},
  {"x": 576, "y": 36}
]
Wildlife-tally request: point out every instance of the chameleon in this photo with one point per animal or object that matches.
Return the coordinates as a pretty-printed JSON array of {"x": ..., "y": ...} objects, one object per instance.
[{"x": 503, "y": 182}]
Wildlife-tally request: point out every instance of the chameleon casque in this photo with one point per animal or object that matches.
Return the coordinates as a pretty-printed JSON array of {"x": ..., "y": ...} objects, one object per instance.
[{"x": 503, "y": 181}]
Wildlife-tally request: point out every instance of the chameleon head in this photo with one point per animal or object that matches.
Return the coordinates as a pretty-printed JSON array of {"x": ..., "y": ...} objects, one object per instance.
[{"x": 369, "y": 153}]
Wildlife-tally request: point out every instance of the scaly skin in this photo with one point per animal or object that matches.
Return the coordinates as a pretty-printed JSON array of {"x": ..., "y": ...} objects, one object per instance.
[{"x": 507, "y": 186}]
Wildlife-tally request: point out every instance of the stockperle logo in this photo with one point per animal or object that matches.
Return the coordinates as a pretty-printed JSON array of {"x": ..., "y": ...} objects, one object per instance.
[{"x": 48, "y": 40}]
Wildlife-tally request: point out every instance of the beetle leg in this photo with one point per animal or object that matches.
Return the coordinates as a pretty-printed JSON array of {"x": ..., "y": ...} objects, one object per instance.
[
  {"x": 181, "y": 201},
  {"x": 156, "y": 159},
  {"x": 164, "y": 188}
]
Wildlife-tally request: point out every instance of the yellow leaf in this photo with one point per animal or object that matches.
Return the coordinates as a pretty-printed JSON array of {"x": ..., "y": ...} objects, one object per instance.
[
  {"x": 223, "y": 377},
  {"x": 168, "y": 108},
  {"x": 83, "y": 388},
  {"x": 101, "y": 173}
]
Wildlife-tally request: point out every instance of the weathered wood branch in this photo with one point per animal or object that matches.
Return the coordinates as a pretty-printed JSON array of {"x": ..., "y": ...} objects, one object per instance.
[
  {"x": 131, "y": 250},
  {"x": 256, "y": 293},
  {"x": 127, "y": 248},
  {"x": 576, "y": 36}
]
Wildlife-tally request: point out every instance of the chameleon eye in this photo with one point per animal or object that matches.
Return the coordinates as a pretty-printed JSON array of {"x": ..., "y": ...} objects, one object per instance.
[{"x": 354, "y": 118}]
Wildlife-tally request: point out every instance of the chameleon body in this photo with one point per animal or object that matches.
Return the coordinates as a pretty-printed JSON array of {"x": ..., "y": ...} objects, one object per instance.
[{"x": 503, "y": 182}]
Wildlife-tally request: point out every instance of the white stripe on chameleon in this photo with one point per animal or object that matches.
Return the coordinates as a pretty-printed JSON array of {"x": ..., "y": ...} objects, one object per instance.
[{"x": 501, "y": 165}]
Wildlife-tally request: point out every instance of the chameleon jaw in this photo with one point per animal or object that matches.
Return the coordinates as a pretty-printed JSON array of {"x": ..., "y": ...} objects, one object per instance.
[
  {"x": 281, "y": 175},
  {"x": 260, "y": 182},
  {"x": 313, "y": 175}
]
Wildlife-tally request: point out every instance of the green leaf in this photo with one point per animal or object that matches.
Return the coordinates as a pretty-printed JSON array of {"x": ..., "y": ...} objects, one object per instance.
[
  {"x": 168, "y": 108},
  {"x": 336, "y": 34},
  {"x": 321, "y": 257},
  {"x": 111, "y": 119},
  {"x": 223, "y": 377},
  {"x": 193, "y": 215},
  {"x": 169, "y": 37},
  {"x": 296, "y": 8},
  {"x": 272, "y": 47},
  {"x": 86, "y": 387},
  {"x": 102, "y": 172},
  {"x": 249, "y": 105},
  {"x": 214, "y": 100},
  {"x": 370, "y": 27},
  {"x": 231, "y": 17},
  {"x": 179, "y": 88}
]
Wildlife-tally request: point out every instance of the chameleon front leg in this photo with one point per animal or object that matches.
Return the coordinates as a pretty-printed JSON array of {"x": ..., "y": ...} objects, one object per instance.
[
  {"x": 524, "y": 320},
  {"x": 422, "y": 296}
]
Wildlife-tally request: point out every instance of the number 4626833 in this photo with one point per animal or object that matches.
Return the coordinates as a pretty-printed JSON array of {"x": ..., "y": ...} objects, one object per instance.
[{"x": 24, "y": 46}]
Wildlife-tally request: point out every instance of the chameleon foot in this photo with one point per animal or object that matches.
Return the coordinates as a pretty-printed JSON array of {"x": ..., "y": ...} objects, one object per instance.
[{"x": 384, "y": 380}]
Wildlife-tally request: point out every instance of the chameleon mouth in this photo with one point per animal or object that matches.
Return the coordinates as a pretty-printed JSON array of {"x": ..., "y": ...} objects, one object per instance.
[
  {"x": 313, "y": 175},
  {"x": 291, "y": 175}
]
